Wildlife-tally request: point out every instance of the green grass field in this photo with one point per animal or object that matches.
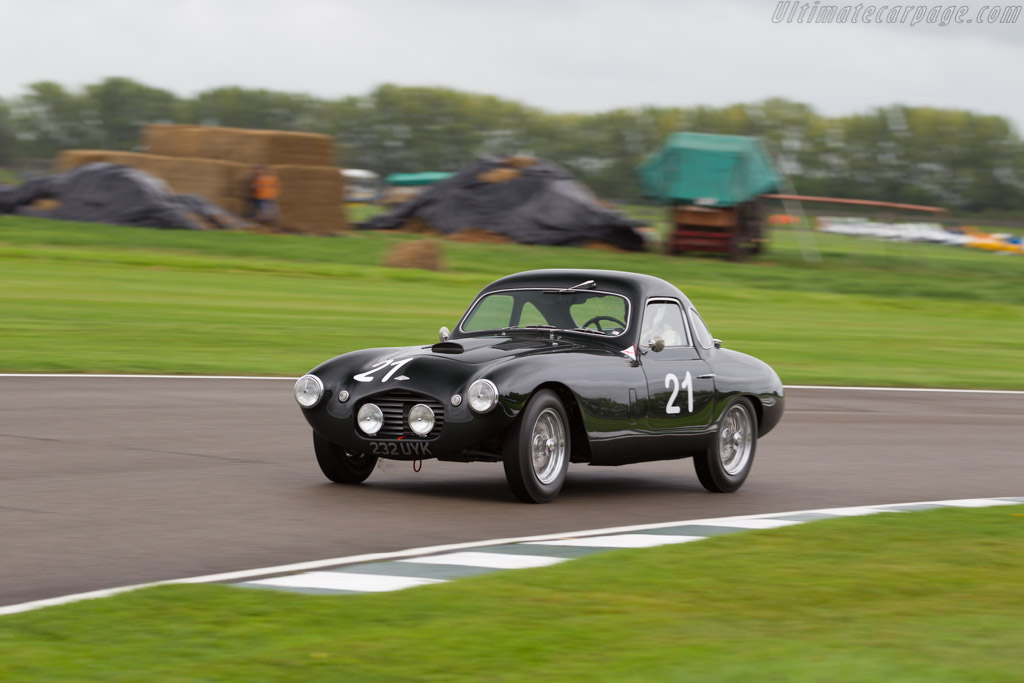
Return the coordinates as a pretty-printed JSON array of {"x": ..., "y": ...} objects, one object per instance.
[
  {"x": 95, "y": 298},
  {"x": 929, "y": 596}
]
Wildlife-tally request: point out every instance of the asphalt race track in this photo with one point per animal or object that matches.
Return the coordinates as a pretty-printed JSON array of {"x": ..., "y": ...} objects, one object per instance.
[{"x": 106, "y": 482}]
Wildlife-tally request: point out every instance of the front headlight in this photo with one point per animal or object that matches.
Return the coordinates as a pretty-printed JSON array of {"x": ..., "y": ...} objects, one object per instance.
[
  {"x": 482, "y": 395},
  {"x": 308, "y": 390},
  {"x": 370, "y": 419},
  {"x": 421, "y": 419}
]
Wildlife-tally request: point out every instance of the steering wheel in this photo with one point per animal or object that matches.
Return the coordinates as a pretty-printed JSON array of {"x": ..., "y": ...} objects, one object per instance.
[{"x": 596, "y": 322}]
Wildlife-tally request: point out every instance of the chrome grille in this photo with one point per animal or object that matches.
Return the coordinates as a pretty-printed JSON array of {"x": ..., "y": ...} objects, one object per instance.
[{"x": 396, "y": 405}]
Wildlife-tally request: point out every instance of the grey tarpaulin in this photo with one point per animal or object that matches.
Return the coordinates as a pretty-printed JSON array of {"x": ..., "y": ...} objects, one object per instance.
[
  {"x": 111, "y": 193},
  {"x": 545, "y": 204}
]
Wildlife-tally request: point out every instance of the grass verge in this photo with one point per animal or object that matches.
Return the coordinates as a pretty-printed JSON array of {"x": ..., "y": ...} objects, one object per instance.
[
  {"x": 95, "y": 298},
  {"x": 934, "y": 596}
]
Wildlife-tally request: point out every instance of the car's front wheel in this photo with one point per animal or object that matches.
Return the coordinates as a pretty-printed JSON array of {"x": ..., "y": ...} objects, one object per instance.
[
  {"x": 537, "y": 448},
  {"x": 339, "y": 466},
  {"x": 726, "y": 464}
]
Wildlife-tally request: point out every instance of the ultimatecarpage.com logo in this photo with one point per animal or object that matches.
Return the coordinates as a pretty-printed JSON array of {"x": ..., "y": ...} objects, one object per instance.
[{"x": 816, "y": 13}]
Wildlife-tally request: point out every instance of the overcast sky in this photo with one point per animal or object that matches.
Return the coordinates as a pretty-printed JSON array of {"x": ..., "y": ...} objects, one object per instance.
[{"x": 561, "y": 55}]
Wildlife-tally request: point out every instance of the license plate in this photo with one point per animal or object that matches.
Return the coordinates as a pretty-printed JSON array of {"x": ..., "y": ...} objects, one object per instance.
[{"x": 395, "y": 448}]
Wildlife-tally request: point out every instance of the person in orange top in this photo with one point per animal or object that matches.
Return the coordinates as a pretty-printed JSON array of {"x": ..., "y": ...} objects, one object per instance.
[{"x": 264, "y": 192}]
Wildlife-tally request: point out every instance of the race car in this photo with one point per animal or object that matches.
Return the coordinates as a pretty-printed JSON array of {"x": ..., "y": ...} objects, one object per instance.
[{"x": 545, "y": 368}]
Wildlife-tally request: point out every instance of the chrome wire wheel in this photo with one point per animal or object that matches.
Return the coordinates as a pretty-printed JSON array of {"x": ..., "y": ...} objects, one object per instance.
[
  {"x": 547, "y": 446},
  {"x": 735, "y": 439},
  {"x": 537, "y": 448}
]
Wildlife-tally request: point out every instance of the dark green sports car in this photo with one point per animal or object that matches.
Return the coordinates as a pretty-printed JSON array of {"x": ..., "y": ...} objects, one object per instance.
[{"x": 549, "y": 367}]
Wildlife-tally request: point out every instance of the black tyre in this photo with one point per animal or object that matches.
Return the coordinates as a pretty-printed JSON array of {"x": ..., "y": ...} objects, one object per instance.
[
  {"x": 537, "y": 448},
  {"x": 339, "y": 466},
  {"x": 726, "y": 464}
]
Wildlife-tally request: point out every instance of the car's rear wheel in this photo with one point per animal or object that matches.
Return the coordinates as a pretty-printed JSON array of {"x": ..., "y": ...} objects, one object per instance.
[
  {"x": 537, "y": 448},
  {"x": 726, "y": 464},
  {"x": 339, "y": 466}
]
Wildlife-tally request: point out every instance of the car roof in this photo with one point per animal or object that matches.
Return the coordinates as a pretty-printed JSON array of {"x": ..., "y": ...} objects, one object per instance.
[{"x": 638, "y": 287}]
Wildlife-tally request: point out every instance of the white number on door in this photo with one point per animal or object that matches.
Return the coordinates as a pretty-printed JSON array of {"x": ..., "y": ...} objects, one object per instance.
[{"x": 671, "y": 381}]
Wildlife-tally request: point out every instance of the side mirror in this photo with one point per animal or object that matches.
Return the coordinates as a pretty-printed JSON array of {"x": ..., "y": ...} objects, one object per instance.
[
  {"x": 443, "y": 333},
  {"x": 657, "y": 344},
  {"x": 717, "y": 343}
]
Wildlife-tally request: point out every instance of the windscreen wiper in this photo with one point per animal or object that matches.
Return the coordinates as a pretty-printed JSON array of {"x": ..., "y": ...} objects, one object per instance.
[{"x": 589, "y": 284}]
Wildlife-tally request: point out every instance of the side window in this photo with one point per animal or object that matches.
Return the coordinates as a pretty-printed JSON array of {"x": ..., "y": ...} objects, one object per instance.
[
  {"x": 701, "y": 330},
  {"x": 664, "y": 319}
]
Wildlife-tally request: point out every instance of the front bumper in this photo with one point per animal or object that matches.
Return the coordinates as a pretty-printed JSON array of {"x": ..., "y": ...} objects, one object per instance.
[{"x": 458, "y": 428}]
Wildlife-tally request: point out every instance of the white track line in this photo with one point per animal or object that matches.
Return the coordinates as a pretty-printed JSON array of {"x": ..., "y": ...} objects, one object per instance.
[
  {"x": 334, "y": 581},
  {"x": 97, "y": 376},
  {"x": 913, "y": 389},
  {"x": 621, "y": 541},
  {"x": 292, "y": 379},
  {"x": 433, "y": 550},
  {"x": 488, "y": 560}
]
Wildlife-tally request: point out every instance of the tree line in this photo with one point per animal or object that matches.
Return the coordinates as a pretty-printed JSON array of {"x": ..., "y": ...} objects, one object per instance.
[{"x": 959, "y": 159}]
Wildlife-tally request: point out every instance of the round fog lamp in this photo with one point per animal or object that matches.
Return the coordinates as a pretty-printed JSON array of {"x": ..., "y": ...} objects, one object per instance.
[
  {"x": 370, "y": 419},
  {"x": 421, "y": 419},
  {"x": 308, "y": 390},
  {"x": 482, "y": 395}
]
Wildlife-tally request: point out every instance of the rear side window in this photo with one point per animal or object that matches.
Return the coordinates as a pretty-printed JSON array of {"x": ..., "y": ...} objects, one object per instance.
[{"x": 701, "y": 330}]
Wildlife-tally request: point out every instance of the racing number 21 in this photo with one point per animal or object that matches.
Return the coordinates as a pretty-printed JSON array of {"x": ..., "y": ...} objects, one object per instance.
[{"x": 671, "y": 381}]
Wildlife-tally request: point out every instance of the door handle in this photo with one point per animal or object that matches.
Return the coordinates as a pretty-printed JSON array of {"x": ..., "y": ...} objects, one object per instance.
[{"x": 710, "y": 375}]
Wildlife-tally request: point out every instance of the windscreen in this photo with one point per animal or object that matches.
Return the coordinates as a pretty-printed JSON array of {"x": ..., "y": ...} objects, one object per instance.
[{"x": 582, "y": 311}]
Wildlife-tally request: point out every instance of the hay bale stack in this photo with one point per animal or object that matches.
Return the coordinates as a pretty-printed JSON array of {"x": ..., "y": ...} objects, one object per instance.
[
  {"x": 296, "y": 149},
  {"x": 217, "y": 163},
  {"x": 240, "y": 145},
  {"x": 70, "y": 159},
  {"x": 310, "y": 201},
  {"x": 221, "y": 182},
  {"x": 80, "y": 157},
  {"x": 425, "y": 254},
  {"x": 175, "y": 140},
  {"x": 311, "y": 198},
  {"x": 73, "y": 158}
]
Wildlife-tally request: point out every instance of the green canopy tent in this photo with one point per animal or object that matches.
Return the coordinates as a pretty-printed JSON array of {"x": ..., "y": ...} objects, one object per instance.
[
  {"x": 708, "y": 170},
  {"x": 416, "y": 179},
  {"x": 401, "y": 187},
  {"x": 712, "y": 183}
]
